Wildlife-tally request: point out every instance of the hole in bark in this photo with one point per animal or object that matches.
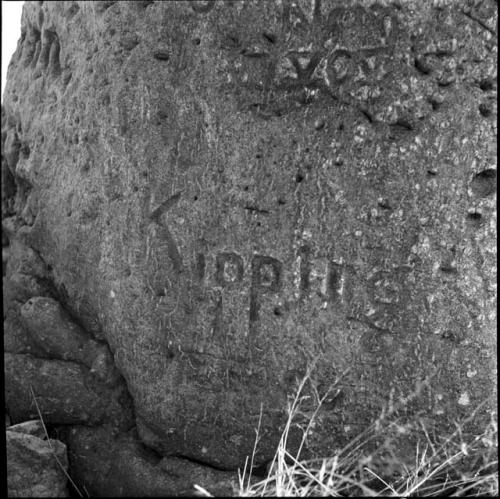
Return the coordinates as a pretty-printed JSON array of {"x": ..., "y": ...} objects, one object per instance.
[
  {"x": 384, "y": 203},
  {"x": 403, "y": 124},
  {"x": 474, "y": 219},
  {"x": 485, "y": 110},
  {"x": 450, "y": 336},
  {"x": 446, "y": 82},
  {"x": 319, "y": 124},
  {"x": 367, "y": 115},
  {"x": 448, "y": 267},
  {"x": 486, "y": 85},
  {"x": 422, "y": 66},
  {"x": 269, "y": 37},
  {"x": 484, "y": 183},
  {"x": 299, "y": 178}
]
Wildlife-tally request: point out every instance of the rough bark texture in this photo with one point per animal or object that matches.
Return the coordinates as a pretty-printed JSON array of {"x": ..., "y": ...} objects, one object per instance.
[{"x": 203, "y": 198}]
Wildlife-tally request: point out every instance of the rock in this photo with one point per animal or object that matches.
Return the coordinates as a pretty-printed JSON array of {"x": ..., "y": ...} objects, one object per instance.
[
  {"x": 225, "y": 193},
  {"x": 66, "y": 392},
  {"x": 18, "y": 288},
  {"x": 26, "y": 276},
  {"x": 119, "y": 465},
  {"x": 34, "y": 465},
  {"x": 53, "y": 331},
  {"x": 34, "y": 427},
  {"x": 16, "y": 338}
]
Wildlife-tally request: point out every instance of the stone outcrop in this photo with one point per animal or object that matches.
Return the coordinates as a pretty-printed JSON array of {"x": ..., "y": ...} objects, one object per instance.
[
  {"x": 202, "y": 199},
  {"x": 108, "y": 464},
  {"x": 35, "y": 467}
]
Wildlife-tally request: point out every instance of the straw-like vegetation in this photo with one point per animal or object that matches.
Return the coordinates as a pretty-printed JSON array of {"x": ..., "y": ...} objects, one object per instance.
[{"x": 454, "y": 465}]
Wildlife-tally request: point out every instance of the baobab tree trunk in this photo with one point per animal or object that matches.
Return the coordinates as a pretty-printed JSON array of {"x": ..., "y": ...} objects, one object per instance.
[{"x": 203, "y": 200}]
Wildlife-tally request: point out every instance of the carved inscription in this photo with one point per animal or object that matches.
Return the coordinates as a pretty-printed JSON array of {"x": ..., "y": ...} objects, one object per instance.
[
  {"x": 305, "y": 270},
  {"x": 385, "y": 292},
  {"x": 335, "y": 282},
  {"x": 164, "y": 233},
  {"x": 266, "y": 274},
  {"x": 343, "y": 56},
  {"x": 229, "y": 269},
  {"x": 315, "y": 53},
  {"x": 266, "y": 278},
  {"x": 262, "y": 282}
]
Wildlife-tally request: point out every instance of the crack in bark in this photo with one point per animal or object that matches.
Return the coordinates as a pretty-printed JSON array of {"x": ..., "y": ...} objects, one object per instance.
[{"x": 478, "y": 21}]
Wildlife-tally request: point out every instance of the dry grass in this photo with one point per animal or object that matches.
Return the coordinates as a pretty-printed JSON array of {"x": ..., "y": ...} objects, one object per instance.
[
  {"x": 455, "y": 465},
  {"x": 63, "y": 469}
]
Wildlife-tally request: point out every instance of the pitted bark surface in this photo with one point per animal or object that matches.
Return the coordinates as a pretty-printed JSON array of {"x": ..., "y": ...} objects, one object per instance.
[{"x": 204, "y": 198}]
